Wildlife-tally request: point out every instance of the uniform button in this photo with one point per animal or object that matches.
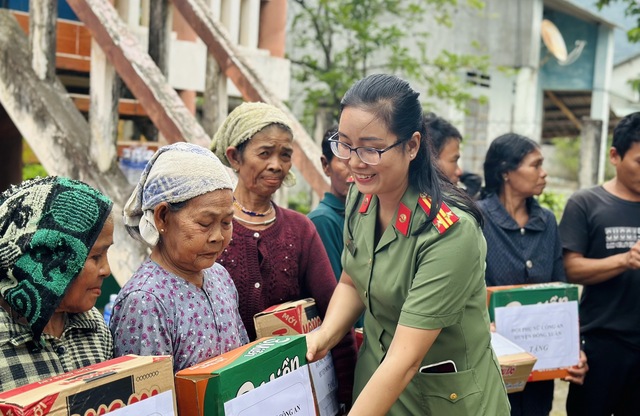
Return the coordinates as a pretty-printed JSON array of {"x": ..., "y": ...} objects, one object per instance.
[
  {"x": 382, "y": 347},
  {"x": 453, "y": 396},
  {"x": 257, "y": 285},
  {"x": 256, "y": 235},
  {"x": 369, "y": 261},
  {"x": 522, "y": 231},
  {"x": 529, "y": 264},
  {"x": 365, "y": 293}
]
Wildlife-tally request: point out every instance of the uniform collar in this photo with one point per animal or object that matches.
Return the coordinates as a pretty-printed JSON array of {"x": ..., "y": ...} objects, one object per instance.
[{"x": 401, "y": 223}]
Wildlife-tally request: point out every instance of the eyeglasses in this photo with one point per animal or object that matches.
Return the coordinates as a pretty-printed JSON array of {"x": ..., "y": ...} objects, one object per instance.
[{"x": 368, "y": 155}]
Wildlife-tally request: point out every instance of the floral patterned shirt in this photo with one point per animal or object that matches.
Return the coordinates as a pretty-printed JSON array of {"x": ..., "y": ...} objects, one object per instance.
[{"x": 157, "y": 312}]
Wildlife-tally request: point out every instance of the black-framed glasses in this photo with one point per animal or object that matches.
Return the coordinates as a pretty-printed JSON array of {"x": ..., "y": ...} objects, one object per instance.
[{"x": 368, "y": 155}]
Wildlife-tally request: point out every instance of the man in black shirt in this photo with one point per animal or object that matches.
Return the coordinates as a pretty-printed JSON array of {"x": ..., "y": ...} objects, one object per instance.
[{"x": 600, "y": 229}]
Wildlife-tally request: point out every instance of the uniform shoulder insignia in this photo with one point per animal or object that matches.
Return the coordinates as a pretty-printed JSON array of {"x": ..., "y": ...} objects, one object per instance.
[
  {"x": 365, "y": 203},
  {"x": 445, "y": 218},
  {"x": 403, "y": 219}
]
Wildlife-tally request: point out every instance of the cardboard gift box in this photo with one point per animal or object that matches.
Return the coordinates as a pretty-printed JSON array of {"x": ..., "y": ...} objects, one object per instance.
[
  {"x": 517, "y": 295},
  {"x": 96, "y": 389},
  {"x": 289, "y": 318},
  {"x": 543, "y": 320},
  {"x": 289, "y": 394},
  {"x": 204, "y": 388},
  {"x": 515, "y": 362},
  {"x": 325, "y": 386}
]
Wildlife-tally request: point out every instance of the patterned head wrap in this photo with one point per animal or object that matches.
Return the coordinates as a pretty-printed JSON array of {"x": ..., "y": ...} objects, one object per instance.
[
  {"x": 176, "y": 173},
  {"x": 242, "y": 123},
  {"x": 47, "y": 229}
]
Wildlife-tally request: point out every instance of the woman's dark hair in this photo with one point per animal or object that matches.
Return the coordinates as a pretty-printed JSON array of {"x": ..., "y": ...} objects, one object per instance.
[
  {"x": 326, "y": 145},
  {"x": 393, "y": 101},
  {"x": 440, "y": 131},
  {"x": 505, "y": 154}
]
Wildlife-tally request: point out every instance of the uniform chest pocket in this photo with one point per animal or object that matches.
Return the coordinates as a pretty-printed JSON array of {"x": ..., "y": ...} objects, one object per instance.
[{"x": 451, "y": 393}]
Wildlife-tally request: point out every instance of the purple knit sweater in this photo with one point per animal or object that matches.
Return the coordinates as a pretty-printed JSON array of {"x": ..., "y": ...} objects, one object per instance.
[{"x": 285, "y": 262}]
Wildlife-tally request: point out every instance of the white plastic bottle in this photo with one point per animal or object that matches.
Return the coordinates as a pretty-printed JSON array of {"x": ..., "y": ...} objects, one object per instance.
[{"x": 108, "y": 308}]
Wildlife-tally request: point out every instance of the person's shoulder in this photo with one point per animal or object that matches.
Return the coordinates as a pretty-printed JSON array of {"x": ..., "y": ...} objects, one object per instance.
[
  {"x": 488, "y": 203},
  {"x": 147, "y": 275},
  {"x": 219, "y": 271},
  {"x": 450, "y": 219},
  {"x": 482, "y": 204},
  {"x": 319, "y": 212},
  {"x": 91, "y": 319},
  {"x": 295, "y": 218},
  {"x": 587, "y": 193}
]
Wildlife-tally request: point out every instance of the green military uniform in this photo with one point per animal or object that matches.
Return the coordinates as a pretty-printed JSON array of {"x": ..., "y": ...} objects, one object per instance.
[{"x": 434, "y": 280}]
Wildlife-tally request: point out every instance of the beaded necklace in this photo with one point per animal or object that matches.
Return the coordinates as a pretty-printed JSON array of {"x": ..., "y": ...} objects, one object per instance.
[
  {"x": 267, "y": 222},
  {"x": 252, "y": 213}
]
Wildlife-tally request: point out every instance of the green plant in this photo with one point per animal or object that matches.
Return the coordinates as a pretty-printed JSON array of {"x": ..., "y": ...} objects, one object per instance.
[
  {"x": 568, "y": 155},
  {"x": 300, "y": 201},
  {"x": 553, "y": 201},
  {"x": 633, "y": 34},
  {"x": 33, "y": 170},
  {"x": 335, "y": 43}
]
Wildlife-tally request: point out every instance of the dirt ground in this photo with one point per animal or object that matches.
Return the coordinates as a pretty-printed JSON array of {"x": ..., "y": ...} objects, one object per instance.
[{"x": 559, "y": 398}]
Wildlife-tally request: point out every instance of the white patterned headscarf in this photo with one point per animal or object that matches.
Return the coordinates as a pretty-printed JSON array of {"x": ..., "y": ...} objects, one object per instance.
[{"x": 176, "y": 173}]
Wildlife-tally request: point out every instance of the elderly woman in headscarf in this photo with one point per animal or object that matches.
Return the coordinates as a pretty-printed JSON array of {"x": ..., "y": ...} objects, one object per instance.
[
  {"x": 180, "y": 302},
  {"x": 54, "y": 237},
  {"x": 276, "y": 254}
]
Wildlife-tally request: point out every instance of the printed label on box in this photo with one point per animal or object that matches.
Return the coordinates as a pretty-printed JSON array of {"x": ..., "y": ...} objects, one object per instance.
[
  {"x": 548, "y": 331},
  {"x": 287, "y": 395}
]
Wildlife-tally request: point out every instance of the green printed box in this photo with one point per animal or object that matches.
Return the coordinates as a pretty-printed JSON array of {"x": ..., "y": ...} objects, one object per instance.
[
  {"x": 518, "y": 295},
  {"x": 204, "y": 388},
  {"x": 543, "y": 320}
]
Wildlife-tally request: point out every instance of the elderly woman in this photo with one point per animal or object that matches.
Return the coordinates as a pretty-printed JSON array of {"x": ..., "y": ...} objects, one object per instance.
[
  {"x": 276, "y": 254},
  {"x": 54, "y": 237},
  {"x": 179, "y": 301}
]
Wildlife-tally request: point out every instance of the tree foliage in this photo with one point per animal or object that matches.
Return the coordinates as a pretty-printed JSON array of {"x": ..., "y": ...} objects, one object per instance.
[
  {"x": 632, "y": 9},
  {"x": 335, "y": 43},
  {"x": 633, "y": 34}
]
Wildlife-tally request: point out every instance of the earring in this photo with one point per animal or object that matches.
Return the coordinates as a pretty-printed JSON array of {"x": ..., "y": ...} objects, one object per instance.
[{"x": 161, "y": 230}]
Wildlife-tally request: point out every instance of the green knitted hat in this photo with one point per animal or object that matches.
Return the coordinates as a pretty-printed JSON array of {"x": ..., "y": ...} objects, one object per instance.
[{"x": 47, "y": 229}]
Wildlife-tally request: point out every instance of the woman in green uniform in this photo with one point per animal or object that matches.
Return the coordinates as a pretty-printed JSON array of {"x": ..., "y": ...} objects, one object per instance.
[{"x": 413, "y": 261}]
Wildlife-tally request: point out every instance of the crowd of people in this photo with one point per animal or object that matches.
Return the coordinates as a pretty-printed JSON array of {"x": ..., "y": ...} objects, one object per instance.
[{"x": 381, "y": 251}]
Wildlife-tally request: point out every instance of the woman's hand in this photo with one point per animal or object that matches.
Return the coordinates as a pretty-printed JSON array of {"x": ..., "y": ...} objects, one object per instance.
[
  {"x": 317, "y": 345},
  {"x": 577, "y": 372}
]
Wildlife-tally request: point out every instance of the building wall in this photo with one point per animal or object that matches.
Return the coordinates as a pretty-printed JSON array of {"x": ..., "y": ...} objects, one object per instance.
[{"x": 579, "y": 75}]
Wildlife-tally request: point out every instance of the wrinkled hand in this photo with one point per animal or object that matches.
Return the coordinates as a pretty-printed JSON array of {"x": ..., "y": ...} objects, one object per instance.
[
  {"x": 633, "y": 256},
  {"x": 317, "y": 345},
  {"x": 577, "y": 372}
]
